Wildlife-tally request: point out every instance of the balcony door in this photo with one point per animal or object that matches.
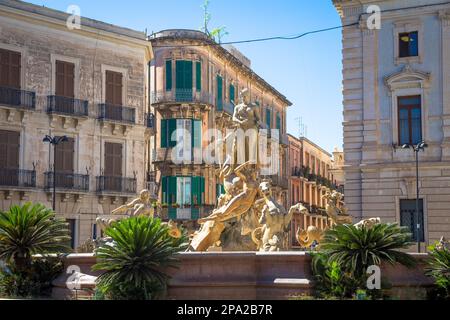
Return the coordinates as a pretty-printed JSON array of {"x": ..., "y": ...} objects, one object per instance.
[
  {"x": 113, "y": 166},
  {"x": 113, "y": 95},
  {"x": 64, "y": 164},
  {"x": 65, "y": 87},
  {"x": 184, "y": 81},
  {"x": 9, "y": 158},
  {"x": 10, "y": 66}
]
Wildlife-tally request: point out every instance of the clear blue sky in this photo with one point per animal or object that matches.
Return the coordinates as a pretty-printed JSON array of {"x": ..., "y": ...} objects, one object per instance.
[{"x": 306, "y": 70}]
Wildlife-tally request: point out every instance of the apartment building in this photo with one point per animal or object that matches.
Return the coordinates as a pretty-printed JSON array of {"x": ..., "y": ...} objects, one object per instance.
[
  {"x": 194, "y": 85},
  {"x": 396, "y": 93},
  {"x": 87, "y": 84},
  {"x": 313, "y": 172}
]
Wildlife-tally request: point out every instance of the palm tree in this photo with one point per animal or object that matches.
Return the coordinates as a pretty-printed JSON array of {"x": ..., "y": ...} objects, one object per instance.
[
  {"x": 135, "y": 264},
  {"x": 30, "y": 229},
  {"x": 439, "y": 267},
  {"x": 356, "y": 248}
]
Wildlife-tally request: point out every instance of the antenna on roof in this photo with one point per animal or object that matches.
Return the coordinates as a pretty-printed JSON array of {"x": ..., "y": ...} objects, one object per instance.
[{"x": 302, "y": 128}]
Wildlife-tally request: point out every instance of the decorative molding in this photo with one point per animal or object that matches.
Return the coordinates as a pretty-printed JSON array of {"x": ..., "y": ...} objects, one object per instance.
[{"x": 408, "y": 78}]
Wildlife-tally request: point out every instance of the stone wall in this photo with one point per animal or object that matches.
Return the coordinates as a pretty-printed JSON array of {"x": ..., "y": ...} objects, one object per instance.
[{"x": 252, "y": 275}]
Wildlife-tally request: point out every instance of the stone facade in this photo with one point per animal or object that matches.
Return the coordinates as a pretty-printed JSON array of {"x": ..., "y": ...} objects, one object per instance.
[
  {"x": 312, "y": 175},
  {"x": 194, "y": 79},
  {"x": 380, "y": 176},
  {"x": 41, "y": 37}
]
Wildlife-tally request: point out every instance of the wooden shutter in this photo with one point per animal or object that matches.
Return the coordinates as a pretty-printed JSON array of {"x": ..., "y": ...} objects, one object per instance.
[
  {"x": 219, "y": 92},
  {"x": 9, "y": 149},
  {"x": 65, "y": 79},
  {"x": 10, "y": 65},
  {"x": 64, "y": 157},
  {"x": 113, "y": 84},
  {"x": 113, "y": 159},
  {"x": 184, "y": 74},
  {"x": 171, "y": 127},
  {"x": 163, "y": 133},
  {"x": 198, "y": 75},
  {"x": 232, "y": 94},
  {"x": 268, "y": 119},
  {"x": 169, "y": 75},
  {"x": 196, "y": 133}
]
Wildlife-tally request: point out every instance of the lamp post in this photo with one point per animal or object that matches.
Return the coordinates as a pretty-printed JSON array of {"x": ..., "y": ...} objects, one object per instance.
[
  {"x": 416, "y": 148},
  {"x": 54, "y": 141}
]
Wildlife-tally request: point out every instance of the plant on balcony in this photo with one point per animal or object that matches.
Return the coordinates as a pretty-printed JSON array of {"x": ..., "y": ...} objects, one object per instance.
[
  {"x": 26, "y": 231},
  {"x": 354, "y": 249},
  {"x": 135, "y": 265},
  {"x": 439, "y": 268}
]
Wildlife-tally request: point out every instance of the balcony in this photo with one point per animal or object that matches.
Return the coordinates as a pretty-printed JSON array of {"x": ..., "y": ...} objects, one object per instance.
[
  {"x": 18, "y": 178},
  {"x": 67, "y": 106},
  {"x": 70, "y": 182},
  {"x": 181, "y": 96},
  {"x": 116, "y": 185},
  {"x": 17, "y": 98},
  {"x": 116, "y": 113},
  {"x": 279, "y": 181}
]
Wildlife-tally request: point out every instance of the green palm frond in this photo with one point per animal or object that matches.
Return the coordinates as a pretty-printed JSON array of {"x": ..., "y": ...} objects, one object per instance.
[
  {"x": 31, "y": 229},
  {"x": 141, "y": 254},
  {"x": 354, "y": 249}
]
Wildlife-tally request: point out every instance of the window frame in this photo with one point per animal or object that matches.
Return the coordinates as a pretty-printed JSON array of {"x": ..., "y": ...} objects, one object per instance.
[
  {"x": 410, "y": 126},
  {"x": 408, "y": 26}
]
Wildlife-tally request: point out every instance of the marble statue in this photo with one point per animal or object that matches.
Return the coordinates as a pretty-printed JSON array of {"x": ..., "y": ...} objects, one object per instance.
[
  {"x": 367, "y": 223},
  {"x": 335, "y": 208},
  {"x": 143, "y": 205}
]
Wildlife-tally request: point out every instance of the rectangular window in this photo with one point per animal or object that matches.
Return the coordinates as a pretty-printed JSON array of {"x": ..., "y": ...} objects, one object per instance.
[
  {"x": 408, "y": 217},
  {"x": 409, "y": 120},
  {"x": 183, "y": 191},
  {"x": 113, "y": 92},
  {"x": 64, "y": 163},
  {"x": 9, "y": 157},
  {"x": 65, "y": 79},
  {"x": 198, "y": 76},
  {"x": 408, "y": 44},
  {"x": 113, "y": 159},
  {"x": 10, "y": 65},
  {"x": 268, "y": 119},
  {"x": 168, "y": 75},
  {"x": 219, "y": 95},
  {"x": 232, "y": 94},
  {"x": 183, "y": 80}
]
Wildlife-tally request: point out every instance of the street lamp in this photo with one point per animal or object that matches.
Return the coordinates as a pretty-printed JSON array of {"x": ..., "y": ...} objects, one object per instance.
[
  {"x": 416, "y": 148},
  {"x": 54, "y": 141}
]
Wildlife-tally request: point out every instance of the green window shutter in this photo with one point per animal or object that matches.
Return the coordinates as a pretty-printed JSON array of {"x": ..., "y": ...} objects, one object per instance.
[
  {"x": 168, "y": 75},
  {"x": 278, "y": 121},
  {"x": 163, "y": 133},
  {"x": 197, "y": 133},
  {"x": 195, "y": 185},
  {"x": 171, "y": 127},
  {"x": 219, "y": 95},
  {"x": 184, "y": 74},
  {"x": 268, "y": 119},
  {"x": 172, "y": 192},
  {"x": 202, "y": 190},
  {"x": 232, "y": 98},
  {"x": 198, "y": 75},
  {"x": 164, "y": 189}
]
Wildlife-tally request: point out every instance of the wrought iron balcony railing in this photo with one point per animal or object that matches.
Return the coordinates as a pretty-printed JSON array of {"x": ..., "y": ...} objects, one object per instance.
[
  {"x": 181, "y": 95},
  {"x": 116, "y": 113},
  {"x": 116, "y": 184},
  {"x": 75, "y": 182},
  {"x": 18, "y": 178},
  {"x": 17, "y": 98},
  {"x": 69, "y": 106}
]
